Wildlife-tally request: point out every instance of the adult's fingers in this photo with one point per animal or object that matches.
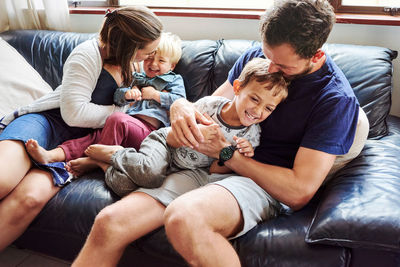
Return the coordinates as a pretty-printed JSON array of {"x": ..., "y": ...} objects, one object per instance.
[{"x": 203, "y": 118}]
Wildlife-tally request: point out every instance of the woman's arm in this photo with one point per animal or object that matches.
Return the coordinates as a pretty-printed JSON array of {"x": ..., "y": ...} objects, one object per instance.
[{"x": 81, "y": 71}]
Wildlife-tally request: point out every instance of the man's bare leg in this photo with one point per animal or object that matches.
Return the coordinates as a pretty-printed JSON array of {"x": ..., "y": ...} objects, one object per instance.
[
  {"x": 116, "y": 226},
  {"x": 198, "y": 222},
  {"x": 41, "y": 155},
  {"x": 102, "y": 152}
]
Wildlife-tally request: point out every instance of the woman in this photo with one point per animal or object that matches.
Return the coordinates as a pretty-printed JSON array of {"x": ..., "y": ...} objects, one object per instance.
[{"x": 81, "y": 103}]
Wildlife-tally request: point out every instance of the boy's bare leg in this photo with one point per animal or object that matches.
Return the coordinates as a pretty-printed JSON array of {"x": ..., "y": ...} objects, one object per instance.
[
  {"x": 81, "y": 166},
  {"x": 116, "y": 226},
  {"x": 43, "y": 156},
  {"x": 102, "y": 152}
]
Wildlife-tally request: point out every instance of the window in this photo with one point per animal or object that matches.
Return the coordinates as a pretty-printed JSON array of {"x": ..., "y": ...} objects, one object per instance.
[
  {"x": 388, "y": 7},
  {"x": 90, "y": 3},
  {"x": 391, "y": 7},
  {"x": 226, "y": 4}
]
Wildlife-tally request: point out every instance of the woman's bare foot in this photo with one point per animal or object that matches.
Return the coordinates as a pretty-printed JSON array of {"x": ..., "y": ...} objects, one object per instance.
[
  {"x": 102, "y": 152},
  {"x": 81, "y": 166},
  {"x": 43, "y": 156}
]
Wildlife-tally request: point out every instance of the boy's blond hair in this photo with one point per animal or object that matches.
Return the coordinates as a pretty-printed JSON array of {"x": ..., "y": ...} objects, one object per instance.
[
  {"x": 257, "y": 69},
  {"x": 170, "y": 46}
]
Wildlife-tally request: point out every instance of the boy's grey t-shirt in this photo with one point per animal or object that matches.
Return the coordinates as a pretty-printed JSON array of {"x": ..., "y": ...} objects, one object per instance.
[{"x": 187, "y": 158}]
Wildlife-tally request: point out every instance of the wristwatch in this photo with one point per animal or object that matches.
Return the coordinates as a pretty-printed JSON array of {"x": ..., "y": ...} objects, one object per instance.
[{"x": 226, "y": 154}]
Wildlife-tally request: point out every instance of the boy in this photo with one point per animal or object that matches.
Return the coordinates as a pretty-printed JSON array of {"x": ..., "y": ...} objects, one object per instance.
[
  {"x": 257, "y": 93},
  {"x": 149, "y": 99}
]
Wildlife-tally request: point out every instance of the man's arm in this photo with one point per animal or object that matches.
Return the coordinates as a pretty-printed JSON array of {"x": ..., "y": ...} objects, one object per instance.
[
  {"x": 225, "y": 90},
  {"x": 295, "y": 187}
]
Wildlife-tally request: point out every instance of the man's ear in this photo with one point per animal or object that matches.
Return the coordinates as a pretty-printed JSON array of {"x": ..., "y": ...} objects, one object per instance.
[
  {"x": 173, "y": 66},
  {"x": 236, "y": 86},
  {"x": 318, "y": 55}
]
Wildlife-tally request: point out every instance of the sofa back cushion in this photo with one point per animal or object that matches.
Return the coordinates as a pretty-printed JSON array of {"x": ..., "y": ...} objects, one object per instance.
[
  {"x": 205, "y": 65},
  {"x": 20, "y": 84},
  {"x": 46, "y": 51},
  {"x": 369, "y": 71}
]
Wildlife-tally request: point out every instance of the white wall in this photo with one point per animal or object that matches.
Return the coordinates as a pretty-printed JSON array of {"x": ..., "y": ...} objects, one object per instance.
[{"x": 214, "y": 28}]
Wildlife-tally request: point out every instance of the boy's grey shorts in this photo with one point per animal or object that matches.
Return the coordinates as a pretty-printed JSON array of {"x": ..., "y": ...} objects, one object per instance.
[{"x": 256, "y": 205}]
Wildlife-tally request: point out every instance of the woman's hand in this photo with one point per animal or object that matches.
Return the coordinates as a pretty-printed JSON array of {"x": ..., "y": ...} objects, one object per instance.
[
  {"x": 133, "y": 94},
  {"x": 244, "y": 146},
  {"x": 184, "y": 118}
]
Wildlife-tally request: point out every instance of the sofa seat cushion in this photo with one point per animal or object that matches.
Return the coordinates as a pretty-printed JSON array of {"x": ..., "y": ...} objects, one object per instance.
[
  {"x": 361, "y": 206},
  {"x": 280, "y": 242}
]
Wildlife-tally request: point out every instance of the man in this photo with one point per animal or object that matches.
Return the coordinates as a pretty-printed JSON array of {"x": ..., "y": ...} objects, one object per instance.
[{"x": 299, "y": 145}]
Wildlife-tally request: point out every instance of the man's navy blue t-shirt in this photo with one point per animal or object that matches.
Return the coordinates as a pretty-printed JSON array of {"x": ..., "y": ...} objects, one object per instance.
[{"x": 321, "y": 113}]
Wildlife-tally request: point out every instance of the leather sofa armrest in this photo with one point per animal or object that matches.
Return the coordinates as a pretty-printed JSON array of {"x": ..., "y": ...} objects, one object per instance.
[{"x": 360, "y": 207}]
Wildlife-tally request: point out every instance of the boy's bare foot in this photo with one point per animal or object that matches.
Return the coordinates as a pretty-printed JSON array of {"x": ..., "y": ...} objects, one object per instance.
[
  {"x": 38, "y": 153},
  {"x": 102, "y": 152},
  {"x": 209, "y": 132},
  {"x": 81, "y": 166}
]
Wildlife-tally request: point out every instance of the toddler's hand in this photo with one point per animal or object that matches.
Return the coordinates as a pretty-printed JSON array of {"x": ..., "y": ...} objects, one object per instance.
[
  {"x": 243, "y": 146},
  {"x": 148, "y": 92},
  {"x": 133, "y": 94}
]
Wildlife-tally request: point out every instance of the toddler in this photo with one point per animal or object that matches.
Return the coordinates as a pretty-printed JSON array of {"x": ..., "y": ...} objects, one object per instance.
[{"x": 147, "y": 101}]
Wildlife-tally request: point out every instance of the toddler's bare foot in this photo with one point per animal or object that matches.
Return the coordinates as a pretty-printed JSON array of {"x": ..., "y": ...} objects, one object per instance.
[
  {"x": 104, "y": 166},
  {"x": 102, "y": 152},
  {"x": 38, "y": 153},
  {"x": 81, "y": 166}
]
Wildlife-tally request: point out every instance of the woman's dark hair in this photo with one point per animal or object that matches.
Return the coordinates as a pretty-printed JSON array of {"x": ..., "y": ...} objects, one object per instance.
[
  {"x": 124, "y": 31},
  {"x": 304, "y": 24}
]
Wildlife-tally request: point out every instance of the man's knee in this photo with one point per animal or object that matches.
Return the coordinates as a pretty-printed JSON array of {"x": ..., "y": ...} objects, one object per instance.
[
  {"x": 107, "y": 223},
  {"x": 181, "y": 217}
]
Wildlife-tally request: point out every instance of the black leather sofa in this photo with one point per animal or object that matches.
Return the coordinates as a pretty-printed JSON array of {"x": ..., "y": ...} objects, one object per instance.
[{"x": 354, "y": 220}]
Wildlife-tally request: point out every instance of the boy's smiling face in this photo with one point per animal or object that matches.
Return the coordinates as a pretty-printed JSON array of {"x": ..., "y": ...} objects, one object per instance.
[
  {"x": 254, "y": 103},
  {"x": 157, "y": 64}
]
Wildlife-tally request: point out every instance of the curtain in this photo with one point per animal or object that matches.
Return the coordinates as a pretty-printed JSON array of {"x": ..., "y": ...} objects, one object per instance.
[{"x": 34, "y": 14}]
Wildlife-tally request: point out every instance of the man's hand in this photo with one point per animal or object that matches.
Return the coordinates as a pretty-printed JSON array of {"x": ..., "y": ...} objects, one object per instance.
[
  {"x": 184, "y": 118},
  {"x": 213, "y": 148},
  {"x": 133, "y": 94},
  {"x": 244, "y": 146}
]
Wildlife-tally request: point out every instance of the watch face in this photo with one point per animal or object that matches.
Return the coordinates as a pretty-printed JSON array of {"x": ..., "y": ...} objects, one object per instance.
[{"x": 226, "y": 153}]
